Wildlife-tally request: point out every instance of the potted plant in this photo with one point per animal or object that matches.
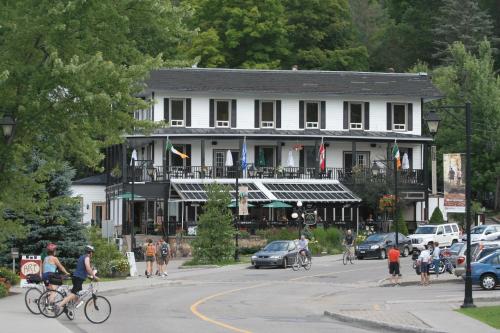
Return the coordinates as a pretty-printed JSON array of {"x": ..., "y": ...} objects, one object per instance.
[{"x": 120, "y": 268}]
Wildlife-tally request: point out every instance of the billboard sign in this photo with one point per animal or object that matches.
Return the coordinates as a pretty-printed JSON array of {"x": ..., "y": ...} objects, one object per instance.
[
  {"x": 454, "y": 183},
  {"x": 243, "y": 200}
]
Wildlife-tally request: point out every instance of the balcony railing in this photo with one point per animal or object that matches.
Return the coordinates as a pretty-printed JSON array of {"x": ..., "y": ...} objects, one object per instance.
[{"x": 359, "y": 175}]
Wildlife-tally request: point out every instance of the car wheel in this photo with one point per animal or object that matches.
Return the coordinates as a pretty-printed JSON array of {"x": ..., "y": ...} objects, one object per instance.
[
  {"x": 406, "y": 252},
  {"x": 285, "y": 262},
  {"x": 454, "y": 241},
  {"x": 256, "y": 266},
  {"x": 360, "y": 257},
  {"x": 382, "y": 254},
  {"x": 488, "y": 281}
]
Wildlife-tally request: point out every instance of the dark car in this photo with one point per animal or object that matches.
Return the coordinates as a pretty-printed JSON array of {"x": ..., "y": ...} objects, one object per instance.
[
  {"x": 278, "y": 253},
  {"x": 377, "y": 245}
]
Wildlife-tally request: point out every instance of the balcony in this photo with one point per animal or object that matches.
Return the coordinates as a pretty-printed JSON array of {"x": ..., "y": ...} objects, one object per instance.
[{"x": 144, "y": 172}]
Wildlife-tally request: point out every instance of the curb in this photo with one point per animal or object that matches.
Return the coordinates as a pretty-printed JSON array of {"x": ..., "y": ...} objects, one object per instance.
[
  {"x": 379, "y": 324},
  {"x": 383, "y": 283},
  {"x": 198, "y": 266}
]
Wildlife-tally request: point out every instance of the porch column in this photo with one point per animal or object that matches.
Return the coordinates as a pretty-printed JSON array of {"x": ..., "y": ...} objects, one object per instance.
[
  {"x": 354, "y": 157},
  {"x": 166, "y": 213},
  {"x": 279, "y": 153},
  {"x": 124, "y": 163}
]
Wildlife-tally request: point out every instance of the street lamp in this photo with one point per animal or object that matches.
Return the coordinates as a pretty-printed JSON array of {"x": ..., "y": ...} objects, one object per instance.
[
  {"x": 8, "y": 125},
  {"x": 432, "y": 120},
  {"x": 299, "y": 212}
]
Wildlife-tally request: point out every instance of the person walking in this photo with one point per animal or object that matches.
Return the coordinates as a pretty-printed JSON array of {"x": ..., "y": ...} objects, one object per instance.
[
  {"x": 394, "y": 265},
  {"x": 424, "y": 260},
  {"x": 163, "y": 254},
  {"x": 436, "y": 258},
  {"x": 150, "y": 257}
]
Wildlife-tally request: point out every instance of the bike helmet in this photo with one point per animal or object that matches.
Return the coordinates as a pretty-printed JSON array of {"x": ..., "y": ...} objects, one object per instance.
[
  {"x": 51, "y": 247},
  {"x": 89, "y": 248}
]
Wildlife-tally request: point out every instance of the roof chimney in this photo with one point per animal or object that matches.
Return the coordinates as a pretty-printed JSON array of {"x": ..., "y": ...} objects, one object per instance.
[{"x": 295, "y": 68}]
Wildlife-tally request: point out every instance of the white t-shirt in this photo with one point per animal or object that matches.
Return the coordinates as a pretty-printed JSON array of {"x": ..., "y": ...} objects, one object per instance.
[
  {"x": 303, "y": 244},
  {"x": 436, "y": 253},
  {"x": 424, "y": 256}
]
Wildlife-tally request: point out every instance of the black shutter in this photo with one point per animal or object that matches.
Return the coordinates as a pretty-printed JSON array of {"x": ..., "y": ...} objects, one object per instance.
[
  {"x": 256, "y": 109},
  {"x": 233, "y": 114},
  {"x": 256, "y": 157},
  {"x": 278, "y": 114},
  {"x": 410, "y": 157},
  {"x": 212, "y": 113},
  {"x": 188, "y": 112},
  {"x": 301, "y": 157},
  {"x": 301, "y": 114},
  {"x": 346, "y": 115},
  {"x": 323, "y": 115},
  {"x": 410, "y": 116},
  {"x": 389, "y": 116},
  {"x": 188, "y": 153},
  {"x": 367, "y": 115},
  {"x": 166, "y": 105}
]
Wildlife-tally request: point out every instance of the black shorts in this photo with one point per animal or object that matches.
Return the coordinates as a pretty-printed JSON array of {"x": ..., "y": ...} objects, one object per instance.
[
  {"x": 394, "y": 268},
  {"x": 77, "y": 284}
]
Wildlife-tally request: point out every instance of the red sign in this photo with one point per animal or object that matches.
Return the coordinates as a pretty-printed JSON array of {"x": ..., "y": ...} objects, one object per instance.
[{"x": 30, "y": 265}]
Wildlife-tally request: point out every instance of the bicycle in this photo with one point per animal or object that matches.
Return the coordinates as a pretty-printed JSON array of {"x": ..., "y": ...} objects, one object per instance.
[
  {"x": 348, "y": 255},
  {"x": 36, "y": 288},
  {"x": 301, "y": 260},
  {"x": 95, "y": 305}
]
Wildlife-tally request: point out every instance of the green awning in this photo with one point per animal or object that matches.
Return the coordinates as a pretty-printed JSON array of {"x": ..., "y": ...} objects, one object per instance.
[
  {"x": 277, "y": 204},
  {"x": 233, "y": 204}
]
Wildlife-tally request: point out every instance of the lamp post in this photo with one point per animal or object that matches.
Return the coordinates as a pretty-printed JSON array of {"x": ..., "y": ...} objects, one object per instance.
[
  {"x": 396, "y": 229},
  {"x": 8, "y": 126},
  {"x": 237, "y": 218},
  {"x": 132, "y": 210},
  {"x": 295, "y": 215},
  {"x": 432, "y": 120}
]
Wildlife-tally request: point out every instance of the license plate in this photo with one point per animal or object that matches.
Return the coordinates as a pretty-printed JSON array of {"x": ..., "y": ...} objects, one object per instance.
[{"x": 362, "y": 251}]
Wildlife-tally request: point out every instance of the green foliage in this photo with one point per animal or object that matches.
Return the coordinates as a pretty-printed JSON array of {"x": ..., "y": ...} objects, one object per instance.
[
  {"x": 249, "y": 250},
  {"x": 214, "y": 241},
  {"x": 106, "y": 254},
  {"x": 12, "y": 278},
  {"x": 326, "y": 240},
  {"x": 3, "y": 291},
  {"x": 120, "y": 265},
  {"x": 436, "y": 217},
  {"x": 278, "y": 234},
  {"x": 401, "y": 223}
]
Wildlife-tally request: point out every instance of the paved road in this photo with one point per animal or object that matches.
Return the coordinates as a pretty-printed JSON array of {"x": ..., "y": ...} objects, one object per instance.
[{"x": 241, "y": 299}]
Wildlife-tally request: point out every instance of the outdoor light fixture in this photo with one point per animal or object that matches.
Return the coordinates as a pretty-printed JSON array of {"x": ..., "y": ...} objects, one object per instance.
[
  {"x": 299, "y": 204},
  {"x": 295, "y": 215},
  {"x": 432, "y": 120},
  {"x": 8, "y": 124}
]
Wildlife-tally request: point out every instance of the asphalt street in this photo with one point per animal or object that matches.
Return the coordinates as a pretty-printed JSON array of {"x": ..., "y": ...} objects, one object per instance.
[{"x": 242, "y": 299}]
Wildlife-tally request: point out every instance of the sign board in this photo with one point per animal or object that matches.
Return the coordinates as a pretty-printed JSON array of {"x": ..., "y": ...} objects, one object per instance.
[
  {"x": 243, "y": 200},
  {"x": 310, "y": 218},
  {"x": 107, "y": 229},
  {"x": 30, "y": 265},
  {"x": 454, "y": 183},
  {"x": 132, "y": 264}
]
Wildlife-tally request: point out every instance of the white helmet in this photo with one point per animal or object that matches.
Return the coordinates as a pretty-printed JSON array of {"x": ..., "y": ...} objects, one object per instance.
[{"x": 89, "y": 248}]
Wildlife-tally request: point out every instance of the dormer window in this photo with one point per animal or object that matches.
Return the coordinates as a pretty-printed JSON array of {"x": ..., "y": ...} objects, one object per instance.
[
  {"x": 399, "y": 116},
  {"x": 267, "y": 114},
  {"x": 177, "y": 112},
  {"x": 223, "y": 114},
  {"x": 312, "y": 115},
  {"x": 356, "y": 115}
]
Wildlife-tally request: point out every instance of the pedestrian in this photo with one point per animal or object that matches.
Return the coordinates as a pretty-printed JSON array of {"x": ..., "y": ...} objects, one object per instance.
[
  {"x": 150, "y": 257},
  {"x": 436, "y": 258},
  {"x": 163, "y": 254},
  {"x": 424, "y": 260},
  {"x": 393, "y": 262}
]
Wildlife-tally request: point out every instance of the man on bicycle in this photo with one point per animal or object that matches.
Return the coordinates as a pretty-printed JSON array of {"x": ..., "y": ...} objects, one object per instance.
[
  {"x": 83, "y": 269},
  {"x": 349, "y": 242},
  {"x": 304, "y": 247}
]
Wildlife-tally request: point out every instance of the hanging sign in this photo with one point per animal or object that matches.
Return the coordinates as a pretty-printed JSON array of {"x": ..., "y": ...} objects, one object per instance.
[
  {"x": 243, "y": 200},
  {"x": 454, "y": 183}
]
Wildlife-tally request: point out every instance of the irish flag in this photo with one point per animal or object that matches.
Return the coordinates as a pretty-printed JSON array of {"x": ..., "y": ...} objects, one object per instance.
[
  {"x": 170, "y": 147},
  {"x": 396, "y": 155}
]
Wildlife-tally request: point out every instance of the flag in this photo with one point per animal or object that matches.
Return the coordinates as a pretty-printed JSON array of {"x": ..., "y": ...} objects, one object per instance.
[
  {"x": 244, "y": 155},
  {"x": 322, "y": 153},
  {"x": 171, "y": 148},
  {"x": 133, "y": 157},
  {"x": 395, "y": 154}
]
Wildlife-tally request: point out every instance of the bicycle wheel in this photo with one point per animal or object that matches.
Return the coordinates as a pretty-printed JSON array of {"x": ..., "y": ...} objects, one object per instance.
[
  {"x": 306, "y": 264},
  {"x": 97, "y": 309},
  {"x": 296, "y": 264},
  {"x": 31, "y": 300},
  {"x": 351, "y": 259},
  {"x": 345, "y": 258},
  {"x": 47, "y": 301}
]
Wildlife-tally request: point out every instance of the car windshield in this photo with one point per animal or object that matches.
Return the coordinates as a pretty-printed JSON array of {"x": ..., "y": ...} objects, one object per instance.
[
  {"x": 375, "y": 238},
  {"x": 276, "y": 246},
  {"x": 487, "y": 258},
  {"x": 478, "y": 230},
  {"x": 426, "y": 230},
  {"x": 455, "y": 248}
]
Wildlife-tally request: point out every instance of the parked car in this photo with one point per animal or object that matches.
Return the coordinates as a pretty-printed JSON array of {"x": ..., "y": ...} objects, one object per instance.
[
  {"x": 278, "y": 253},
  {"x": 476, "y": 248},
  {"x": 486, "y": 272},
  {"x": 445, "y": 234},
  {"x": 454, "y": 252},
  {"x": 377, "y": 245},
  {"x": 484, "y": 233}
]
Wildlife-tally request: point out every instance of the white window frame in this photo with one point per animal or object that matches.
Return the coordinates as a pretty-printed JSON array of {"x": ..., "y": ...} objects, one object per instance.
[
  {"x": 357, "y": 126},
  {"x": 267, "y": 124},
  {"x": 400, "y": 127},
  {"x": 312, "y": 124},
  {"x": 177, "y": 122},
  {"x": 223, "y": 123}
]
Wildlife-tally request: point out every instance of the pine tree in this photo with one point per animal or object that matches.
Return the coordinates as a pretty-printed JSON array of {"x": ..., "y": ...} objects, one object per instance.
[
  {"x": 215, "y": 234},
  {"x": 460, "y": 20},
  {"x": 437, "y": 217}
]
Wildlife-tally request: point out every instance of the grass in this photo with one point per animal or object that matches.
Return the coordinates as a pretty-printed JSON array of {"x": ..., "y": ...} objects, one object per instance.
[
  {"x": 244, "y": 259},
  {"x": 487, "y": 314},
  {"x": 101, "y": 279}
]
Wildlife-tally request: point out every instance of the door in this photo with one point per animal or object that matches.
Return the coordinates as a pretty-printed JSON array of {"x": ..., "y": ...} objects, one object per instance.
[
  {"x": 219, "y": 162},
  {"x": 440, "y": 237},
  {"x": 98, "y": 213}
]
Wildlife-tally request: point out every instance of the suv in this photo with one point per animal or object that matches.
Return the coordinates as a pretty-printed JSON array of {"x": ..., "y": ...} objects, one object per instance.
[{"x": 445, "y": 234}]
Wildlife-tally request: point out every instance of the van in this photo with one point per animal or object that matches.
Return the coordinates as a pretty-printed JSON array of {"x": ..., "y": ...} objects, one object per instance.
[{"x": 445, "y": 234}]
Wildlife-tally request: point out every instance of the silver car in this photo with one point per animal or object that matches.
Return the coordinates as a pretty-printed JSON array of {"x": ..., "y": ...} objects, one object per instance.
[
  {"x": 278, "y": 253},
  {"x": 477, "y": 252}
]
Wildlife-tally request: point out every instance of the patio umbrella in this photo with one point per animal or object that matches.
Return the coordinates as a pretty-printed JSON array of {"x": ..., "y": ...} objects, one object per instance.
[
  {"x": 290, "y": 162},
  {"x": 262, "y": 158},
  {"x": 233, "y": 204},
  {"x": 406, "y": 162},
  {"x": 128, "y": 196},
  {"x": 229, "y": 159},
  {"x": 277, "y": 204}
]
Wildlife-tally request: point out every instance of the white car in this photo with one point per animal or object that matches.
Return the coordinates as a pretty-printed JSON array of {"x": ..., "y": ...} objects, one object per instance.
[
  {"x": 484, "y": 233},
  {"x": 445, "y": 234}
]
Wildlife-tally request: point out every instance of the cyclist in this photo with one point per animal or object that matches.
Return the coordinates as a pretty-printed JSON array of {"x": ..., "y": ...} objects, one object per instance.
[
  {"x": 51, "y": 265},
  {"x": 349, "y": 242},
  {"x": 83, "y": 269},
  {"x": 304, "y": 247}
]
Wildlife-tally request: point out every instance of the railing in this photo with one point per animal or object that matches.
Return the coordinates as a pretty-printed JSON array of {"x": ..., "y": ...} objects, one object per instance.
[{"x": 359, "y": 175}]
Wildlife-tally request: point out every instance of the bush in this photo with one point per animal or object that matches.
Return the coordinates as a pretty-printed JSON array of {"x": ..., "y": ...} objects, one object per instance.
[
  {"x": 243, "y": 234},
  {"x": 106, "y": 254},
  {"x": 249, "y": 250},
  {"x": 120, "y": 266},
  {"x": 12, "y": 278},
  {"x": 437, "y": 217},
  {"x": 402, "y": 227},
  {"x": 278, "y": 234},
  {"x": 329, "y": 241},
  {"x": 3, "y": 291}
]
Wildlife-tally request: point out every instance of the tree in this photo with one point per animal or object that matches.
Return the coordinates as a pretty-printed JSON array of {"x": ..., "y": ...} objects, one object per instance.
[
  {"x": 460, "y": 20},
  {"x": 436, "y": 217},
  {"x": 215, "y": 233},
  {"x": 399, "y": 220}
]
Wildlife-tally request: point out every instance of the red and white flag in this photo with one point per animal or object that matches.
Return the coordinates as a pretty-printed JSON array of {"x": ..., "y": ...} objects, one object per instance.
[{"x": 322, "y": 159}]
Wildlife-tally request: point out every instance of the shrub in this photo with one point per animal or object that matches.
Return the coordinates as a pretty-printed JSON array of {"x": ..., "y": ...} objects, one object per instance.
[
  {"x": 278, "y": 234},
  {"x": 249, "y": 250},
  {"x": 244, "y": 234},
  {"x": 3, "y": 291},
  {"x": 12, "y": 278},
  {"x": 105, "y": 253},
  {"x": 401, "y": 223},
  {"x": 328, "y": 241},
  {"x": 437, "y": 217}
]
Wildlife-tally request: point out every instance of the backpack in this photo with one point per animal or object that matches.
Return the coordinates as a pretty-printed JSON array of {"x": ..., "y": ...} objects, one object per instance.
[
  {"x": 150, "y": 250},
  {"x": 164, "y": 249}
]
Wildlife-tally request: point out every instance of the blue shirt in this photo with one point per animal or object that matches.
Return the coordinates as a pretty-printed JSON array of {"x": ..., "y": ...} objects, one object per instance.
[
  {"x": 47, "y": 266},
  {"x": 81, "y": 271}
]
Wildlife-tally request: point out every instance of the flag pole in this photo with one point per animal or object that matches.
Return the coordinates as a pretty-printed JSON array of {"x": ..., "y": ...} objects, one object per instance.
[{"x": 396, "y": 151}]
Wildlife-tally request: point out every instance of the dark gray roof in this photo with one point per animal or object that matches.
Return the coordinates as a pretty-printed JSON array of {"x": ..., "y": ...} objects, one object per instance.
[
  {"x": 281, "y": 134},
  {"x": 92, "y": 180},
  {"x": 293, "y": 82}
]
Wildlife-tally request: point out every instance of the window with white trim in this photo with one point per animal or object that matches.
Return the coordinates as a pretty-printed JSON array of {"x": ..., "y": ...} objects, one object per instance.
[
  {"x": 267, "y": 114},
  {"x": 312, "y": 114},
  {"x": 177, "y": 112},
  {"x": 222, "y": 114},
  {"x": 399, "y": 117},
  {"x": 356, "y": 115}
]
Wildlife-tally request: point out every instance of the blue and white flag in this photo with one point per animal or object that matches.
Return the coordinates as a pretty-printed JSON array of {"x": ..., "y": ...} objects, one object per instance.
[{"x": 244, "y": 155}]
